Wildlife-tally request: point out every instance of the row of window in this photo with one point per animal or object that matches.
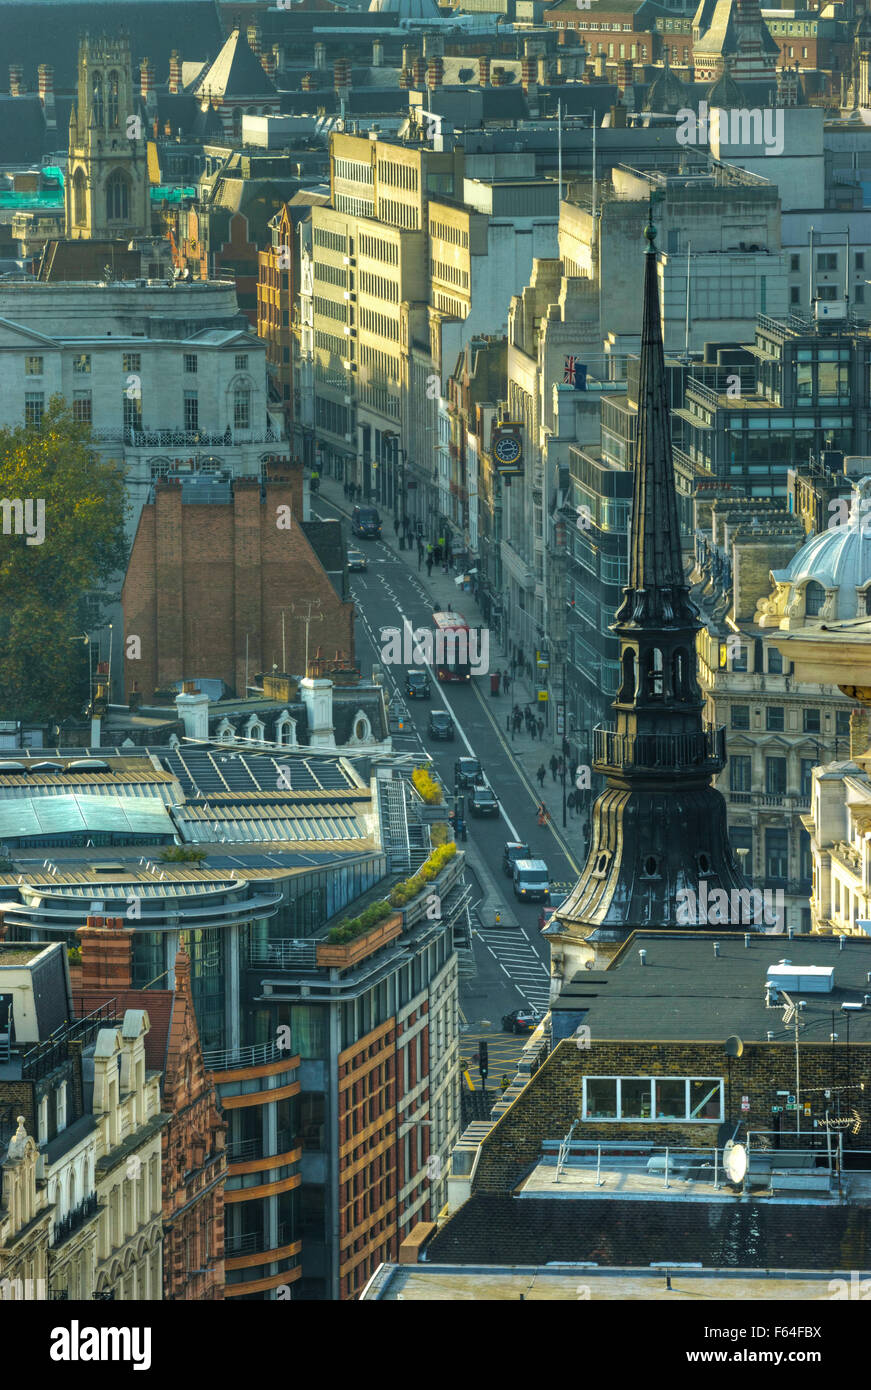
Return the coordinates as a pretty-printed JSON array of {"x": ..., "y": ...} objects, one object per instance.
[
  {"x": 328, "y": 342},
  {"x": 638, "y": 1098},
  {"x": 400, "y": 214},
  {"x": 331, "y": 308},
  {"x": 443, "y": 231},
  {"x": 374, "y": 322},
  {"x": 379, "y": 249},
  {"x": 379, "y": 286},
  {"x": 332, "y": 274},
  {"x": 398, "y": 175},
  {"x": 34, "y": 365},
  {"x": 453, "y": 274},
  {"x": 378, "y": 365},
  {"x": 741, "y": 775},
  {"x": 330, "y": 241},
  {"x": 354, "y": 170},
  {"x": 775, "y": 719}
]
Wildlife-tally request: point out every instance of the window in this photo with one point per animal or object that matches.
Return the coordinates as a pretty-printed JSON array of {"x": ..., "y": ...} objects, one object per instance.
[
  {"x": 132, "y": 412},
  {"x": 814, "y": 598},
  {"x": 774, "y": 718},
  {"x": 807, "y": 769},
  {"x": 775, "y": 662},
  {"x": 826, "y": 260},
  {"x": 775, "y": 776},
  {"x": 794, "y": 294},
  {"x": 82, "y": 407},
  {"x": 190, "y": 361},
  {"x": 241, "y": 361},
  {"x": 776, "y": 854},
  {"x": 117, "y": 197},
  {"x": 61, "y": 1107},
  {"x": 112, "y": 103},
  {"x": 740, "y": 716},
  {"x": 132, "y": 361},
  {"x": 842, "y": 723},
  {"x": 241, "y": 408},
  {"x": 33, "y": 366},
  {"x": 644, "y": 1098},
  {"x": 191, "y": 411},
  {"x": 79, "y": 199},
  {"x": 811, "y": 721},
  {"x": 794, "y": 263},
  {"x": 82, "y": 364},
  {"x": 97, "y": 100},
  {"x": 740, "y": 772},
  {"x": 42, "y": 1124},
  {"x": 860, "y": 260},
  {"x": 34, "y": 405}
]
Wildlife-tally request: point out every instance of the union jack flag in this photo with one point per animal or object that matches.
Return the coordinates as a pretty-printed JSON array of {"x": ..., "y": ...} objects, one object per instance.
[{"x": 569, "y": 374}]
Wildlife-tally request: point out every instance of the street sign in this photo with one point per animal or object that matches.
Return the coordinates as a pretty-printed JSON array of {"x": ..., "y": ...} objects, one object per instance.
[
  {"x": 561, "y": 719},
  {"x": 745, "y": 1102},
  {"x": 777, "y": 1109},
  {"x": 542, "y": 695}
]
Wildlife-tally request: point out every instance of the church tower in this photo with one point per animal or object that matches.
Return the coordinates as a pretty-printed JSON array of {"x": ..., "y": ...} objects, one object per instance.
[
  {"x": 659, "y": 851},
  {"x": 107, "y": 186}
]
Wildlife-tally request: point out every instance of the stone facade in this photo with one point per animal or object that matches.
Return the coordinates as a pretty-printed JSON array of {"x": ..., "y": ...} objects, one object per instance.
[
  {"x": 25, "y": 1218},
  {"x": 107, "y": 187}
]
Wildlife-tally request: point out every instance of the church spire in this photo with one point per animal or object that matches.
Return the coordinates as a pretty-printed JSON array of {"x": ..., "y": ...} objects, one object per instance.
[{"x": 657, "y": 591}]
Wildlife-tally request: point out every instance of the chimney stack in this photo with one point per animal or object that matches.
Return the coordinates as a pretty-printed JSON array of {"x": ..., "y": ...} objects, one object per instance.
[
  {"x": 46, "y": 94},
  {"x": 435, "y": 73},
  {"x": 174, "y": 72},
  {"x": 484, "y": 70},
  {"x": 268, "y": 63},
  {"x": 320, "y": 55},
  {"x": 16, "y": 80},
  {"x": 308, "y": 82},
  {"x": 254, "y": 39},
  {"x": 418, "y": 71},
  {"x": 377, "y": 54},
  {"x": 146, "y": 86},
  {"x": 107, "y": 953}
]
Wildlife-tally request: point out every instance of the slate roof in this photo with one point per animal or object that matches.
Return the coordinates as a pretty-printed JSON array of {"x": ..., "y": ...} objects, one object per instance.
[
  {"x": 22, "y": 130},
  {"x": 684, "y": 992},
  {"x": 721, "y": 33},
  {"x": 236, "y": 72},
  {"x": 500, "y": 1229},
  {"x": 49, "y": 33}
]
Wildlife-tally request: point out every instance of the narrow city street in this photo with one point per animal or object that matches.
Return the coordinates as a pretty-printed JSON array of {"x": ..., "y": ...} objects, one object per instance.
[{"x": 511, "y": 957}]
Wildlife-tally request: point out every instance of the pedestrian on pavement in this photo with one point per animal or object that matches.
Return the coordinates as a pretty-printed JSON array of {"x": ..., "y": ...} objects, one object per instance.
[
  {"x": 517, "y": 723},
  {"x": 532, "y": 729},
  {"x": 508, "y": 723},
  {"x": 541, "y": 774},
  {"x": 570, "y": 803},
  {"x": 504, "y": 1083},
  {"x": 419, "y": 556},
  {"x": 429, "y": 566},
  {"x": 540, "y": 727},
  {"x": 553, "y": 766},
  {"x": 560, "y": 766},
  {"x": 396, "y": 526},
  {"x": 506, "y": 683}
]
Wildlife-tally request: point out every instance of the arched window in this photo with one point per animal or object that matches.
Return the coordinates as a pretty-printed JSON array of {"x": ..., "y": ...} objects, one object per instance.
[
  {"x": 654, "y": 674},
  {"x": 117, "y": 197},
  {"x": 112, "y": 99},
  {"x": 79, "y": 189},
  {"x": 680, "y": 674},
  {"x": 627, "y": 689},
  {"x": 241, "y": 408},
  {"x": 97, "y": 99},
  {"x": 814, "y": 598}
]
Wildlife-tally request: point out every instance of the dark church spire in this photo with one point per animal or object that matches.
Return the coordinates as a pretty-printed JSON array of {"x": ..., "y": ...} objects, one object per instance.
[{"x": 658, "y": 831}]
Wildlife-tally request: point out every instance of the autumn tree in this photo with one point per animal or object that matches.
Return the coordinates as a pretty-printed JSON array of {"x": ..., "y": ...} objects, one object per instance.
[{"x": 61, "y": 543}]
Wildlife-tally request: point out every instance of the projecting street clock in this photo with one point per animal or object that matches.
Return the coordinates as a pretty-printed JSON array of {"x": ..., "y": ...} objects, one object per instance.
[{"x": 507, "y": 449}]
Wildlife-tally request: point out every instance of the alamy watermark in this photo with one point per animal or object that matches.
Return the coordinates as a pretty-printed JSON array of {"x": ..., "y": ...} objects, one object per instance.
[
  {"x": 24, "y": 518},
  {"x": 739, "y": 126},
  {"x": 741, "y": 907},
  {"x": 422, "y": 647}
]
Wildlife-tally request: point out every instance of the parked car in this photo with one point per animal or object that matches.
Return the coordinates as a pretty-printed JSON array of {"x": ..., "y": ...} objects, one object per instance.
[
  {"x": 441, "y": 725},
  {"x": 467, "y": 772},
  {"x": 356, "y": 560},
  {"x": 522, "y": 1020},
  {"x": 366, "y": 522},
  {"x": 513, "y": 851},
  {"x": 531, "y": 880},
  {"x": 482, "y": 801},
  {"x": 417, "y": 686}
]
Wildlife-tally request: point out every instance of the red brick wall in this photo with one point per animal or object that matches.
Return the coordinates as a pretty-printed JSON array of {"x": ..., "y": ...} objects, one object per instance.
[{"x": 202, "y": 577}]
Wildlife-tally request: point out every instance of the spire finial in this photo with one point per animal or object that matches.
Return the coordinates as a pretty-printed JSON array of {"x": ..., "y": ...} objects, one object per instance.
[{"x": 650, "y": 230}]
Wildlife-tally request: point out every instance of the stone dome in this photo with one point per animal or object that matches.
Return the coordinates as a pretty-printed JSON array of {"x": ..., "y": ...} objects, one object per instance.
[
  {"x": 826, "y": 579},
  {"x": 666, "y": 94},
  {"x": 725, "y": 93}
]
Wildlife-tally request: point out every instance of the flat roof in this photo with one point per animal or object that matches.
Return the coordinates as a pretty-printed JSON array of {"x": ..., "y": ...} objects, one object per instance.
[
  {"x": 686, "y": 991},
  {"x": 392, "y": 1283}
]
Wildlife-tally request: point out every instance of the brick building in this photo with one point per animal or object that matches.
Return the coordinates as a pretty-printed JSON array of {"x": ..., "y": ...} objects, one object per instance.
[
  {"x": 211, "y": 580},
  {"x": 194, "y": 1159}
]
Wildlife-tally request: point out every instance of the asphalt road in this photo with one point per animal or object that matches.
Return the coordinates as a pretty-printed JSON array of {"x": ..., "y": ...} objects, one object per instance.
[{"x": 512, "y": 960}]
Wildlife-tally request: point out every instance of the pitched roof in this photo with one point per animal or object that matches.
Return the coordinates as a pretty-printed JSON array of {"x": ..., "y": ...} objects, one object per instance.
[{"x": 236, "y": 72}]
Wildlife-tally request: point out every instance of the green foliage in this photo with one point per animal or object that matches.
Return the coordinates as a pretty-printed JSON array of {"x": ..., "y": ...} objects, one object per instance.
[
  {"x": 43, "y": 673},
  {"x": 74, "y": 955},
  {"x": 352, "y": 927},
  {"x": 183, "y": 854},
  {"x": 439, "y": 833},
  {"x": 427, "y": 786}
]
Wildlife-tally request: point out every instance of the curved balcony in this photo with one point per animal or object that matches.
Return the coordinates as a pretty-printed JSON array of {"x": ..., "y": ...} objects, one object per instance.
[{"x": 704, "y": 751}]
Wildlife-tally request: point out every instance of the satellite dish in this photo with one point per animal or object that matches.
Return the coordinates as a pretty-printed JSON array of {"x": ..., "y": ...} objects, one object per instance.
[
  {"x": 733, "y": 1047},
  {"x": 735, "y": 1162}
]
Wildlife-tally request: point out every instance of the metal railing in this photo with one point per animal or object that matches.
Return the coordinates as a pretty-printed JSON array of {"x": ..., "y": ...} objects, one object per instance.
[
  {"x": 228, "y": 1059},
  {"x": 244, "y": 1149},
  {"x": 189, "y": 439},
  {"x": 285, "y": 953},
  {"x": 253, "y": 1241},
  {"x": 702, "y": 750},
  {"x": 70, "y": 1223},
  {"x": 46, "y": 1055}
]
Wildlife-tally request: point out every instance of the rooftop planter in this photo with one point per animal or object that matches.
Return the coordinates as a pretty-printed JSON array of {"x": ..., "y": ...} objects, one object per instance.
[{"x": 340, "y": 955}]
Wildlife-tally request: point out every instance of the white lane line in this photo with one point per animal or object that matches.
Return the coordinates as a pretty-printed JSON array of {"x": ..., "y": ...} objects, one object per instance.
[{"x": 438, "y": 688}]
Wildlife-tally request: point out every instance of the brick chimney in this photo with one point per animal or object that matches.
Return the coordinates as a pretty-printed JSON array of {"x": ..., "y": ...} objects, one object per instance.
[
  {"x": 484, "y": 70},
  {"x": 174, "y": 72},
  {"x": 308, "y": 82},
  {"x": 320, "y": 55},
  {"x": 418, "y": 71},
  {"x": 405, "y": 79},
  {"x": 46, "y": 94},
  {"x": 528, "y": 71},
  {"x": 435, "y": 73},
  {"x": 107, "y": 953},
  {"x": 497, "y": 77},
  {"x": 255, "y": 39},
  {"x": 16, "y": 80},
  {"x": 268, "y": 63}
]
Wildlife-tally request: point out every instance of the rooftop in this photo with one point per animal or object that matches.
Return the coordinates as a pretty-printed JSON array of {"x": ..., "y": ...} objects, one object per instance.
[{"x": 555, "y": 1282}]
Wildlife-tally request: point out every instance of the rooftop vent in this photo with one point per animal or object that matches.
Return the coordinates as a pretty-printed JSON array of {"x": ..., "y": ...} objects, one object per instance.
[{"x": 810, "y": 979}]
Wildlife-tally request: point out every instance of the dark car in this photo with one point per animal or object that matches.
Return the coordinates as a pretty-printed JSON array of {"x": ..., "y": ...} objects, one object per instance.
[
  {"x": 366, "y": 522},
  {"x": 356, "y": 559},
  {"x": 467, "y": 772},
  {"x": 513, "y": 851},
  {"x": 522, "y": 1020},
  {"x": 441, "y": 725},
  {"x": 482, "y": 801},
  {"x": 417, "y": 685}
]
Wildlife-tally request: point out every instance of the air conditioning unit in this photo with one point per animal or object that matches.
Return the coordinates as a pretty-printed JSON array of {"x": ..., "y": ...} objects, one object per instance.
[{"x": 834, "y": 310}]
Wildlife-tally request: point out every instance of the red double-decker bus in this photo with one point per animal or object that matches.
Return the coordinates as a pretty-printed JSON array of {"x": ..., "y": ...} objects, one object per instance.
[{"x": 451, "y": 647}]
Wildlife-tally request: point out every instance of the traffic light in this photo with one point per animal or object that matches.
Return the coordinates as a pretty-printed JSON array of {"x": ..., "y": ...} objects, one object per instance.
[{"x": 483, "y": 1060}]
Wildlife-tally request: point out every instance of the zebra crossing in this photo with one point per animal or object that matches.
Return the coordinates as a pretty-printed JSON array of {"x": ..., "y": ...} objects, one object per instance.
[{"x": 514, "y": 953}]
